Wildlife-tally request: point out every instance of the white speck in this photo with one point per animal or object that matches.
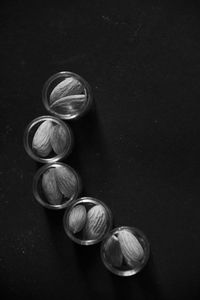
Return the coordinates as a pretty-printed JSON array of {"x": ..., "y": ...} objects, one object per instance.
[{"x": 106, "y": 18}]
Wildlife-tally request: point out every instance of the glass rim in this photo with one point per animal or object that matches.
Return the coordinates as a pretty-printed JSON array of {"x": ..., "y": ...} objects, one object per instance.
[
  {"x": 95, "y": 201},
  {"x": 56, "y": 157},
  {"x": 89, "y": 96},
  {"x": 46, "y": 204}
]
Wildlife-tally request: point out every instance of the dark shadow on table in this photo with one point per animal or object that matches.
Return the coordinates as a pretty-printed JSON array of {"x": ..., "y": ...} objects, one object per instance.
[
  {"x": 143, "y": 283},
  {"x": 86, "y": 256}
]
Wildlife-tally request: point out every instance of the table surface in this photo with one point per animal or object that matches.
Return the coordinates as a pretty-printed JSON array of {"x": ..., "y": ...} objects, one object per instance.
[{"x": 138, "y": 150}]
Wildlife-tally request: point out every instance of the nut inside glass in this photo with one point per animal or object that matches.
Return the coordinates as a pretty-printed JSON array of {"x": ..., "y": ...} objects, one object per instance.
[
  {"x": 124, "y": 269},
  {"x": 30, "y": 132},
  {"x": 61, "y": 200},
  {"x": 74, "y": 108},
  {"x": 79, "y": 237}
]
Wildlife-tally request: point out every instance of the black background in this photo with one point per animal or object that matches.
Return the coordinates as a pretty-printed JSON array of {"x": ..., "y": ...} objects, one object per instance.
[{"x": 138, "y": 151}]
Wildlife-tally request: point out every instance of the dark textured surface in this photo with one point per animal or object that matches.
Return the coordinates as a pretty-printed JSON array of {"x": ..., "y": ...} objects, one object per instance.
[{"x": 139, "y": 152}]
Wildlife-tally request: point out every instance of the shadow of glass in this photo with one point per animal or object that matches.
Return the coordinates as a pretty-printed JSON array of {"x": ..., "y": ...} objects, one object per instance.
[
  {"x": 86, "y": 256},
  {"x": 88, "y": 132},
  {"x": 140, "y": 286}
]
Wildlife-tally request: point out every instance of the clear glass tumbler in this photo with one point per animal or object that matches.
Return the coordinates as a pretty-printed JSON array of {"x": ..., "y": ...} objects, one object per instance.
[
  {"x": 87, "y": 221},
  {"x": 67, "y": 95},
  {"x": 56, "y": 185},
  {"x": 125, "y": 251},
  {"x": 48, "y": 139}
]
